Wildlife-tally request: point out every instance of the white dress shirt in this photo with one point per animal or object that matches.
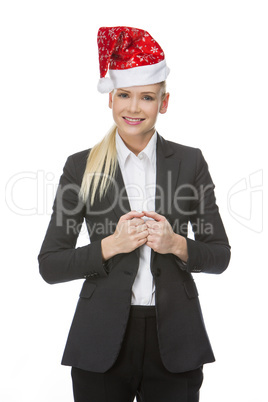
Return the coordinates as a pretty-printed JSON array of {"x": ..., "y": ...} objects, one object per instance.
[{"x": 139, "y": 175}]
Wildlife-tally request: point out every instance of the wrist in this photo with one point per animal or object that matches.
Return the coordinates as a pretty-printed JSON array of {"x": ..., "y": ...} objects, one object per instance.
[
  {"x": 108, "y": 248},
  {"x": 179, "y": 248}
]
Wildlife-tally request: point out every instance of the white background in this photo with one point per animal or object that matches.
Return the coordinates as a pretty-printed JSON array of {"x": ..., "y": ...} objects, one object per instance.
[{"x": 50, "y": 108}]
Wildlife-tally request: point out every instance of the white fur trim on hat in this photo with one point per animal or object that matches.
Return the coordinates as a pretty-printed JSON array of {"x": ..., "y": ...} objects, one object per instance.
[{"x": 142, "y": 75}]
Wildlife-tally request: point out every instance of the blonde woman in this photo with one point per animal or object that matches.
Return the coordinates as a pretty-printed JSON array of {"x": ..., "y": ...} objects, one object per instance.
[{"x": 138, "y": 329}]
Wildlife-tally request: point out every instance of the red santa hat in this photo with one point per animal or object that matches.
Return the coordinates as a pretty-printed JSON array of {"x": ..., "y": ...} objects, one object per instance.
[{"x": 132, "y": 57}]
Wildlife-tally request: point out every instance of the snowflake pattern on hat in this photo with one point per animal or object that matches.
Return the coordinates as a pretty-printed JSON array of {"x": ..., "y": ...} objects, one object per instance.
[{"x": 124, "y": 47}]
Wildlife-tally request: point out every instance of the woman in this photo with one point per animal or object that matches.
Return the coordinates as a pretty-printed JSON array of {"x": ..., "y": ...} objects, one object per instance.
[{"x": 138, "y": 329}]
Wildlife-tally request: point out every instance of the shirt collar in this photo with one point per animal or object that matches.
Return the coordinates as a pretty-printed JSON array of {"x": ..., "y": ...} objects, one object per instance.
[{"x": 123, "y": 152}]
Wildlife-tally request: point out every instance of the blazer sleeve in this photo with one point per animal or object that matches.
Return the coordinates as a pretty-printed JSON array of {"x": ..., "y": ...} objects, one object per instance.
[
  {"x": 59, "y": 259},
  {"x": 210, "y": 251}
]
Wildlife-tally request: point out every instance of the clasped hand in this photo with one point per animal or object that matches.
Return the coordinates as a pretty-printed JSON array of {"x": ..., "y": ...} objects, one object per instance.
[{"x": 133, "y": 231}]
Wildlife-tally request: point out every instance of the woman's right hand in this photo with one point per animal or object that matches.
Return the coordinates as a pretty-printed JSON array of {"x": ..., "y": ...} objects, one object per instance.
[{"x": 131, "y": 232}]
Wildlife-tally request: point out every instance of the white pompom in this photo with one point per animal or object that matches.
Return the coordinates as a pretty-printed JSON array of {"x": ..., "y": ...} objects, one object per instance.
[{"x": 105, "y": 85}]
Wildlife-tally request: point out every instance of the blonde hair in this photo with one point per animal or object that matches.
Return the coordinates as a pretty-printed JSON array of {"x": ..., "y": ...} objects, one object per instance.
[
  {"x": 101, "y": 164},
  {"x": 100, "y": 167}
]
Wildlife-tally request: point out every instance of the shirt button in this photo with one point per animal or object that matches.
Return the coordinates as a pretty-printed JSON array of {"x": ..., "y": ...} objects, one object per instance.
[{"x": 140, "y": 156}]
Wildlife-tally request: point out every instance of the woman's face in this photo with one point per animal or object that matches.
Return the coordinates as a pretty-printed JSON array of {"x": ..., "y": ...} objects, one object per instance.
[{"x": 135, "y": 110}]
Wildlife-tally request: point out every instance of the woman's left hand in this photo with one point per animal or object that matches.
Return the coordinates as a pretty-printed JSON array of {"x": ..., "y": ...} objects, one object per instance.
[{"x": 162, "y": 238}]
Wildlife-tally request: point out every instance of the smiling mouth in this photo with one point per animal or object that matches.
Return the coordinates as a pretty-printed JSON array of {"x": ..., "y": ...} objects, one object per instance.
[{"x": 132, "y": 120}]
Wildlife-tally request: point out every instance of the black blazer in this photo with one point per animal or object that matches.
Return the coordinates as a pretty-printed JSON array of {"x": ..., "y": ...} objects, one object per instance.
[{"x": 184, "y": 192}]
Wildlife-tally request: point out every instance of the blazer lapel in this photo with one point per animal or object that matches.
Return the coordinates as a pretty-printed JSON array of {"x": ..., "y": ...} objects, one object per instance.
[
  {"x": 117, "y": 195},
  {"x": 167, "y": 172}
]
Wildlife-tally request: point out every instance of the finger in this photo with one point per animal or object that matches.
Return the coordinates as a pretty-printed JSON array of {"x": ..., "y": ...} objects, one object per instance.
[
  {"x": 143, "y": 235},
  {"x": 131, "y": 215},
  {"x": 154, "y": 215},
  {"x": 136, "y": 222},
  {"x": 142, "y": 228},
  {"x": 153, "y": 225},
  {"x": 137, "y": 231},
  {"x": 142, "y": 241},
  {"x": 150, "y": 242},
  {"x": 153, "y": 232}
]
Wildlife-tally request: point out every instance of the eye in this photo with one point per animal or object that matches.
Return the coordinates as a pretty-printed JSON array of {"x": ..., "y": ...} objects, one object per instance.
[
  {"x": 122, "y": 95},
  {"x": 148, "y": 98}
]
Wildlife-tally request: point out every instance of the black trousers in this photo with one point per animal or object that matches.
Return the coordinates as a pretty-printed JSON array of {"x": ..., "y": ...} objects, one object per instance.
[{"x": 138, "y": 371}]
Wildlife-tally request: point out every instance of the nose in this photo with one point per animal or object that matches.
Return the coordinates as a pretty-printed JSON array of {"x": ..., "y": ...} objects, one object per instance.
[{"x": 134, "y": 105}]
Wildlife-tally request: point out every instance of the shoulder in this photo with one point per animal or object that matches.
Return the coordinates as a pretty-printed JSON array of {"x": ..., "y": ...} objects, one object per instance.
[
  {"x": 183, "y": 149},
  {"x": 79, "y": 158},
  {"x": 178, "y": 150},
  {"x": 191, "y": 159},
  {"x": 76, "y": 164}
]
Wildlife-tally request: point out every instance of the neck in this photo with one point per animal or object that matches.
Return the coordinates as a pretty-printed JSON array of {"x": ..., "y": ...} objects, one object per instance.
[{"x": 138, "y": 143}]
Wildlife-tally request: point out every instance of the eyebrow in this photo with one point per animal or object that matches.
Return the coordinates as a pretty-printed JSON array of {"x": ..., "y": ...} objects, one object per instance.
[{"x": 142, "y": 93}]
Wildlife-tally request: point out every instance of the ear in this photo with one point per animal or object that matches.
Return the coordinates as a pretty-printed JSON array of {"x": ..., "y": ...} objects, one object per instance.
[
  {"x": 110, "y": 100},
  {"x": 164, "y": 104}
]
